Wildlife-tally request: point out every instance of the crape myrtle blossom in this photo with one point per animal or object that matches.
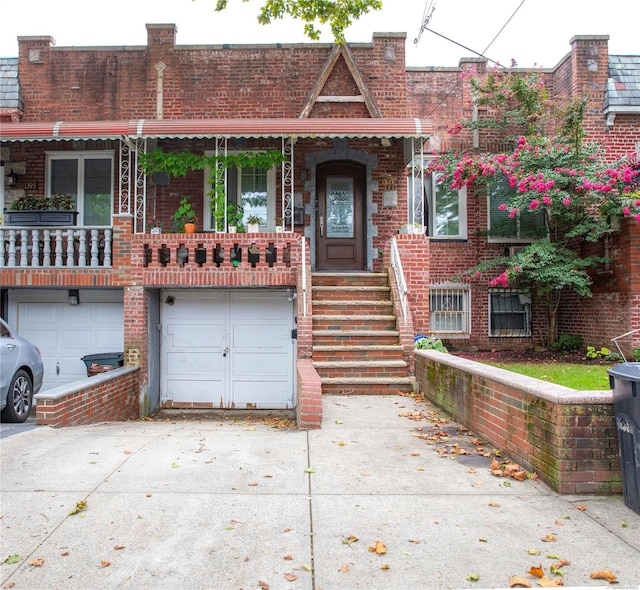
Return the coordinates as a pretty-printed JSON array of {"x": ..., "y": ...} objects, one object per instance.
[{"x": 575, "y": 188}]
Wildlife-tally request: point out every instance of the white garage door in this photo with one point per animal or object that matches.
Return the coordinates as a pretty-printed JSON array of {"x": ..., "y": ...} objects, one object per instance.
[
  {"x": 228, "y": 349},
  {"x": 65, "y": 333}
]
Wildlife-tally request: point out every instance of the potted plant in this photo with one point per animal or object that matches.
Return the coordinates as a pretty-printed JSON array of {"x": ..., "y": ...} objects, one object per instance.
[
  {"x": 235, "y": 214},
  {"x": 412, "y": 228},
  {"x": 253, "y": 224},
  {"x": 154, "y": 225},
  {"x": 279, "y": 225},
  {"x": 184, "y": 218},
  {"x": 35, "y": 210}
]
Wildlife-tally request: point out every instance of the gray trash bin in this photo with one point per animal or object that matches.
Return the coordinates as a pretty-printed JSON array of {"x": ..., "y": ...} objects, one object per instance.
[
  {"x": 97, "y": 363},
  {"x": 625, "y": 384}
]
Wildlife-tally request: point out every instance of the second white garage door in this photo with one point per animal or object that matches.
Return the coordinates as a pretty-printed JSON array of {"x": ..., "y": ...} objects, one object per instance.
[{"x": 227, "y": 349}]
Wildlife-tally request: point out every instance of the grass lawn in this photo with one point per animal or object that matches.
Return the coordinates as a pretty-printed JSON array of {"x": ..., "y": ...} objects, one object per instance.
[{"x": 583, "y": 377}]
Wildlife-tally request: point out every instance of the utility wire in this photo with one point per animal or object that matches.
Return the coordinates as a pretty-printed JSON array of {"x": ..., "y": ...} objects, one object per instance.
[
  {"x": 429, "y": 9},
  {"x": 468, "y": 49}
]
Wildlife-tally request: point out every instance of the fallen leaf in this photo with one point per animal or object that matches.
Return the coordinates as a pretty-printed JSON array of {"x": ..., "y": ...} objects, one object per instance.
[
  {"x": 65, "y": 554},
  {"x": 37, "y": 562},
  {"x": 309, "y": 470},
  {"x": 82, "y": 505},
  {"x": 385, "y": 566},
  {"x": 548, "y": 538},
  {"x": 350, "y": 539},
  {"x": 414, "y": 541},
  {"x": 15, "y": 558},
  {"x": 533, "y": 551},
  {"x": 9, "y": 585},
  {"x": 471, "y": 470},
  {"x": 552, "y": 556},
  {"x": 519, "y": 582},
  {"x": 174, "y": 465},
  {"x": 267, "y": 475},
  {"x": 263, "y": 585},
  {"x": 290, "y": 577},
  {"x": 148, "y": 495},
  {"x": 581, "y": 507},
  {"x": 538, "y": 572},
  {"x": 558, "y": 564},
  {"x": 344, "y": 568},
  {"x": 623, "y": 523},
  {"x": 119, "y": 547},
  {"x": 378, "y": 548},
  {"x": 483, "y": 540},
  {"x": 494, "y": 505},
  {"x": 252, "y": 483},
  {"x": 415, "y": 454},
  {"x": 550, "y": 583},
  {"x": 287, "y": 557},
  {"x": 105, "y": 563},
  {"x": 339, "y": 422},
  {"x": 607, "y": 575},
  {"x": 286, "y": 530},
  {"x": 306, "y": 567},
  {"x": 559, "y": 523},
  {"x": 472, "y": 577},
  {"x": 127, "y": 452}
]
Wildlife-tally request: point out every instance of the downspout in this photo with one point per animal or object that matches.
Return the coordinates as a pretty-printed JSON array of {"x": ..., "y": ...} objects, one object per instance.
[{"x": 160, "y": 68}]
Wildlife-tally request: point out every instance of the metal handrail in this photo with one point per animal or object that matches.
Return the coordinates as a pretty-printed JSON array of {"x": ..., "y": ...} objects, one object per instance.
[
  {"x": 304, "y": 276},
  {"x": 615, "y": 341},
  {"x": 396, "y": 264}
]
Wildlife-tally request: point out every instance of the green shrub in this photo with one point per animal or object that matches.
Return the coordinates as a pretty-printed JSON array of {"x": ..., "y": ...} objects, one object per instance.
[
  {"x": 603, "y": 353},
  {"x": 635, "y": 353},
  {"x": 568, "y": 342},
  {"x": 430, "y": 343}
]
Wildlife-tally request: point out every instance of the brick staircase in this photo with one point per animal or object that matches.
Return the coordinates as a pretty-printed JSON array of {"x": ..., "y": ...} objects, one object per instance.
[{"x": 356, "y": 342}]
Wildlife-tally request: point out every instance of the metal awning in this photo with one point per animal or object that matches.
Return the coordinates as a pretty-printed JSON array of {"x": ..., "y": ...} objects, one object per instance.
[{"x": 202, "y": 128}]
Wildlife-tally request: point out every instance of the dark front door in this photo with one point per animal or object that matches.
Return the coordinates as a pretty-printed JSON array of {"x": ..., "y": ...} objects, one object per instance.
[{"x": 340, "y": 228}]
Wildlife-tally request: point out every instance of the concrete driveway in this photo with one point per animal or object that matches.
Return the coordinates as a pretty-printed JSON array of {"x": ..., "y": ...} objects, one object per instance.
[{"x": 234, "y": 503}]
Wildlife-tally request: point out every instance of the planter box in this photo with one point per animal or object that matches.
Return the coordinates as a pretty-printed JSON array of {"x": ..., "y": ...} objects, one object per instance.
[{"x": 40, "y": 218}]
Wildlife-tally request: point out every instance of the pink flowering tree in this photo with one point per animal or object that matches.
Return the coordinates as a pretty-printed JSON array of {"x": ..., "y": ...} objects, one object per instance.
[{"x": 565, "y": 181}]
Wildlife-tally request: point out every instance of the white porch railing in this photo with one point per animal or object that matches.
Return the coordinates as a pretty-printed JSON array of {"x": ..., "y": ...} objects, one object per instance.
[
  {"x": 55, "y": 247},
  {"x": 396, "y": 264}
]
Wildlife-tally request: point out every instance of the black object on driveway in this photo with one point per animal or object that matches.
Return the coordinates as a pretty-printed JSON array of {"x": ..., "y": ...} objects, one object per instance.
[{"x": 625, "y": 385}]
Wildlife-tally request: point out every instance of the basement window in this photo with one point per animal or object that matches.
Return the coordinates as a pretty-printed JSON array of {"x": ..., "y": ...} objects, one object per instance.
[
  {"x": 509, "y": 313},
  {"x": 449, "y": 311}
]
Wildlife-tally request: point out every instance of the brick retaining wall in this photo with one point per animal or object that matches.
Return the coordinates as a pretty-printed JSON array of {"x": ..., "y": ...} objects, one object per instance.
[
  {"x": 105, "y": 397},
  {"x": 567, "y": 437}
]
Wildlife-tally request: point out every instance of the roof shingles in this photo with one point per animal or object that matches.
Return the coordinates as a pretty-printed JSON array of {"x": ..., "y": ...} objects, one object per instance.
[{"x": 623, "y": 88}]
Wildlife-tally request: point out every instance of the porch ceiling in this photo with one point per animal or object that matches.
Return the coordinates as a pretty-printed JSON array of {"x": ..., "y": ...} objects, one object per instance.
[{"x": 201, "y": 128}]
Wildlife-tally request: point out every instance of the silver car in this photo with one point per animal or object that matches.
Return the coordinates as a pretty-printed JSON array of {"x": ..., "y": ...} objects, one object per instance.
[{"x": 21, "y": 372}]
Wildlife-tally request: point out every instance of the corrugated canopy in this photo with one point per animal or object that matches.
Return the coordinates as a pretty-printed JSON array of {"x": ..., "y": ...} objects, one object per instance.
[{"x": 195, "y": 128}]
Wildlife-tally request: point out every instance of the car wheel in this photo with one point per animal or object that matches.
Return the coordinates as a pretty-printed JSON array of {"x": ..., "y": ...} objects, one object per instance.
[{"x": 19, "y": 398}]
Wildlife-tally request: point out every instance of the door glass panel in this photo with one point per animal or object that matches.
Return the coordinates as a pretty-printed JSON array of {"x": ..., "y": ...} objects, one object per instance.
[
  {"x": 64, "y": 177},
  {"x": 97, "y": 191},
  {"x": 340, "y": 217},
  {"x": 253, "y": 194}
]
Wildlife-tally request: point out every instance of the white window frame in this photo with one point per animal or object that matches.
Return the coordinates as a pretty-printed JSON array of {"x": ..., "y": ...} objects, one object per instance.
[
  {"x": 444, "y": 290},
  {"x": 516, "y": 239},
  {"x": 429, "y": 201},
  {"x": 269, "y": 224},
  {"x": 81, "y": 156},
  {"x": 524, "y": 298}
]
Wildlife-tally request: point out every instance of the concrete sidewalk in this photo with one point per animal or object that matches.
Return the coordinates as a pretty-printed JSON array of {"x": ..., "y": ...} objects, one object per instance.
[{"x": 226, "y": 504}]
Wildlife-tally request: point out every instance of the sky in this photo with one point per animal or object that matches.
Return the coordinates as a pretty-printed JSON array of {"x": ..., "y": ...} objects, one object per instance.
[{"x": 537, "y": 35}]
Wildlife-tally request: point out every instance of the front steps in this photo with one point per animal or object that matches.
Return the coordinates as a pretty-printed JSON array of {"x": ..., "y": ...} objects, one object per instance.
[{"x": 356, "y": 342}]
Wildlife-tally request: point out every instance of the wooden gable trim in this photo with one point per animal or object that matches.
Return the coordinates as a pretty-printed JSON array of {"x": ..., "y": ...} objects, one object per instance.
[{"x": 364, "y": 96}]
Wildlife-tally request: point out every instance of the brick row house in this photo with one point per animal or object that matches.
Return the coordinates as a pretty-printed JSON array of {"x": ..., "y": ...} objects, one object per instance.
[{"x": 327, "y": 296}]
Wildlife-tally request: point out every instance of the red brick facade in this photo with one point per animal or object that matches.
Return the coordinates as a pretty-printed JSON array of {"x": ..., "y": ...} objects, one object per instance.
[{"x": 168, "y": 81}]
